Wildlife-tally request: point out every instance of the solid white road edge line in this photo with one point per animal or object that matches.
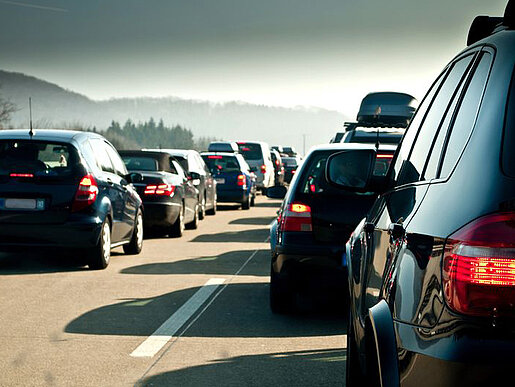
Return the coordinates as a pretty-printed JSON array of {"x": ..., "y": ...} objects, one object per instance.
[{"x": 169, "y": 328}]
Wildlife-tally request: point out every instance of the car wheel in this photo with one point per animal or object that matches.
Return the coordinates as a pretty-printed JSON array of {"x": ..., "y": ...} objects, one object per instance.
[
  {"x": 212, "y": 211},
  {"x": 353, "y": 376},
  {"x": 136, "y": 243},
  {"x": 202, "y": 209},
  {"x": 253, "y": 201},
  {"x": 177, "y": 228},
  {"x": 246, "y": 203},
  {"x": 280, "y": 296},
  {"x": 193, "y": 225},
  {"x": 101, "y": 253}
]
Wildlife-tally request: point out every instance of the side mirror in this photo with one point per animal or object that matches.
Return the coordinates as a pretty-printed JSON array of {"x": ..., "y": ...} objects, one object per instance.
[
  {"x": 194, "y": 175},
  {"x": 134, "y": 177},
  {"x": 351, "y": 170},
  {"x": 277, "y": 192}
]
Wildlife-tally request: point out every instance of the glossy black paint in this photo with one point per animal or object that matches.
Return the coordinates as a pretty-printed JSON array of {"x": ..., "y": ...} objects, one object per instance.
[
  {"x": 57, "y": 225},
  {"x": 395, "y": 253}
]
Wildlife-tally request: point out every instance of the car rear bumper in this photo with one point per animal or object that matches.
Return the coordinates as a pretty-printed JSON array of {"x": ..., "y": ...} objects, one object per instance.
[
  {"x": 232, "y": 196},
  {"x": 160, "y": 214},
  {"x": 453, "y": 359},
  {"x": 79, "y": 232}
]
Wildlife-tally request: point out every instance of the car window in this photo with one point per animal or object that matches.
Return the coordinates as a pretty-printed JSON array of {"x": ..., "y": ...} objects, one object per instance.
[
  {"x": 103, "y": 160},
  {"x": 40, "y": 158},
  {"x": 436, "y": 113},
  {"x": 180, "y": 171},
  {"x": 219, "y": 164},
  {"x": 118, "y": 164},
  {"x": 508, "y": 155},
  {"x": 140, "y": 163},
  {"x": 250, "y": 151},
  {"x": 412, "y": 130},
  {"x": 466, "y": 116},
  {"x": 183, "y": 162},
  {"x": 173, "y": 169}
]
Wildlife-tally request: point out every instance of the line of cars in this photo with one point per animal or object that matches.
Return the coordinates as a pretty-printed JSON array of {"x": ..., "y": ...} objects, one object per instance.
[{"x": 428, "y": 261}]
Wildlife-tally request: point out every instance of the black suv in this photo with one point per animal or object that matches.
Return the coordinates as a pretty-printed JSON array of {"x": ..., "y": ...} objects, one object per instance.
[
  {"x": 432, "y": 266},
  {"x": 67, "y": 189}
]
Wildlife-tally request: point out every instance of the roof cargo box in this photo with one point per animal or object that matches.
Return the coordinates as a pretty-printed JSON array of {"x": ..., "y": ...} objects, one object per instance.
[
  {"x": 223, "y": 146},
  {"x": 387, "y": 108}
]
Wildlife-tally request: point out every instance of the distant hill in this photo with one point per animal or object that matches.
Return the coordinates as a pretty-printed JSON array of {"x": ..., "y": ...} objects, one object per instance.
[{"x": 55, "y": 106}]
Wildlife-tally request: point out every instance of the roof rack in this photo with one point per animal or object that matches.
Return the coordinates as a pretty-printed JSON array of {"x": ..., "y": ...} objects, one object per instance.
[{"x": 484, "y": 26}]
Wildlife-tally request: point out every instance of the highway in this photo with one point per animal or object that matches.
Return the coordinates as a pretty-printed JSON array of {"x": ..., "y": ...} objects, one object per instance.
[{"x": 185, "y": 312}]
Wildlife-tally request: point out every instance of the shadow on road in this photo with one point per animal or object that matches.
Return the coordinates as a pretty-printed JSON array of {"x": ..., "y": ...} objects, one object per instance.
[
  {"x": 300, "y": 368},
  {"x": 26, "y": 262},
  {"x": 241, "y": 310},
  {"x": 228, "y": 207},
  {"x": 247, "y": 236},
  {"x": 226, "y": 264},
  {"x": 269, "y": 204},
  {"x": 261, "y": 221}
]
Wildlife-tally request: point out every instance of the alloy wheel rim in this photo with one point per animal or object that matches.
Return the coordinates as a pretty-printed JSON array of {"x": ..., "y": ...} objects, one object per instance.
[
  {"x": 139, "y": 230},
  {"x": 106, "y": 241}
]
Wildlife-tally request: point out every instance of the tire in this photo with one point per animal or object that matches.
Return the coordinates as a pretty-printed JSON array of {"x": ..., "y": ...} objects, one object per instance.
[
  {"x": 354, "y": 375},
  {"x": 253, "y": 201},
  {"x": 193, "y": 225},
  {"x": 136, "y": 244},
  {"x": 177, "y": 228},
  {"x": 245, "y": 205},
  {"x": 280, "y": 296},
  {"x": 202, "y": 210},
  {"x": 212, "y": 211},
  {"x": 100, "y": 255}
]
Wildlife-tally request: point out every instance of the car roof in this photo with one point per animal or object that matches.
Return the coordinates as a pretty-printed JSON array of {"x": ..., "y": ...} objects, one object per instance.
[
  {"x": 174, "y": 152},
  {"x": 350, "y": 146},
  {"x": 45, "y": 134},
  {"x": 219, "y": 154}
]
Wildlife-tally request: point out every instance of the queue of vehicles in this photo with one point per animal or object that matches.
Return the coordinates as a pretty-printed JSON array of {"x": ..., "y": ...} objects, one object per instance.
[
  {"x": 428, "y": 261},
  {"x": 409, "y": 214}
]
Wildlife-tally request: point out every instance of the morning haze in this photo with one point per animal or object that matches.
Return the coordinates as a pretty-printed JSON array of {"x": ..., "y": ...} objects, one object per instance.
[{"x": 326, "y": 54}]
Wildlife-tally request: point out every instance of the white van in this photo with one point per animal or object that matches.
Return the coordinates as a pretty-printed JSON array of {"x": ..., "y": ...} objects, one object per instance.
[{"x": 257, "y": 155}]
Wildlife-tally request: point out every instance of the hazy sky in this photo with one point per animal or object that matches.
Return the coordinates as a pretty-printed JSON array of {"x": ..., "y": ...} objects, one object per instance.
[{"x": 326, "y": 53}]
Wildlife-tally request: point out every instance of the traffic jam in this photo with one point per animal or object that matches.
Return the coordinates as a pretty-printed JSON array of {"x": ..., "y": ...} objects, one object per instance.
[{"x": 384, "y": 256}]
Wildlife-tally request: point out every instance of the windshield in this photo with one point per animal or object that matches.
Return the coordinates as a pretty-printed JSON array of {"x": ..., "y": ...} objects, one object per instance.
[{"x": 39, "y": 158}]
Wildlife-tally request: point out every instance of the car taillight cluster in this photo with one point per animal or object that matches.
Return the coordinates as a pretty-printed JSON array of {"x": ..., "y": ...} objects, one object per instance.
[
  {"x": 86, "y": 194},
  {"x": 160, "y": 189},
  {"x": 263, "y": 168},
  {"x": 296, "y": 217},
  {"x": 241, "y": 181},
  {"x": 479, "y": 267}
]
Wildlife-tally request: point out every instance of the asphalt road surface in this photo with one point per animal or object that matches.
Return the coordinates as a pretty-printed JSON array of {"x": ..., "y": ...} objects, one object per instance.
[{"x": 185, "y": 312}]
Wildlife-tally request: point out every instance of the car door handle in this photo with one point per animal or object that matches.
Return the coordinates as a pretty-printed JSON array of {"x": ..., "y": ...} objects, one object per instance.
[{"x": 396, "y": 230}]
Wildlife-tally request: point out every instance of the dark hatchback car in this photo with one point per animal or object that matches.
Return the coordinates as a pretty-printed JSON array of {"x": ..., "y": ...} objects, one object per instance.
[
  {"x": 197, "y": 171},
  {"x": 432, "y": 266},
  {"x": 170, "y": 199},
  {"x": 278, "y": 167},
  {"x": 314, "y": 222},
  {"x": 291, "y": 164},
  {"x": 67, "y": 189},
  {"x": 234, "y": 180}
]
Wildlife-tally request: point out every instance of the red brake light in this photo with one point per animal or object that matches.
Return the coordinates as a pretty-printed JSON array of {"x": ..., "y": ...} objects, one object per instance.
[
  {"x": 263, "y": 168},
  {"x": 242, "y": 181},
  {"x": 384, "y": 156},
  {"x": 160, "y": 189},
  {"x": 214, "y": 157},
  {"x": 293, "y": 171},
  {"x": 277, "y": 162},
  {"x": 479, "y": 267},
  {"x": 296, "y": 217},
  {"x": 21, "y": 175},
  {"x": 86, "y": 194}
]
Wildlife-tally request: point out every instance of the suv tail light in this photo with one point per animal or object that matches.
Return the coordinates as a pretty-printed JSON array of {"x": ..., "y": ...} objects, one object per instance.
[
  {"x": 263, "y": 168},
  {"x": 479, "y": 267},
  {"x": 297, "y": 217},
  {"x": 160, "y": 189},
  {"x": 86, "y": 194},
  {"x": 241, "y": 181}
]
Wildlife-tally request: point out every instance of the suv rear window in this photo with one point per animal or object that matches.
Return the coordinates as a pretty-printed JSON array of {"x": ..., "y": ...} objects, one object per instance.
[
  {"x": 139, "y": 163},
  {"x": 371, "y": 137},
  {"x": 40, "y": 158},
  {"x": 218, "y": 164},
  {"x": 250, "y": 151},
  {"x": 289, "y": 161}
]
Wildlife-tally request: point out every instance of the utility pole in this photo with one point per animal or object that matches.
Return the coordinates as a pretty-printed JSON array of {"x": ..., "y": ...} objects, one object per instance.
[{"x": 304, "y": 145}]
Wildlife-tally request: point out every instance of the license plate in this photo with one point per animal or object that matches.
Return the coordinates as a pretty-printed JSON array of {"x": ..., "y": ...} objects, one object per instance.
[
  {"x": 220, "y": 181},
  {"x": 23, "y": 204}
]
